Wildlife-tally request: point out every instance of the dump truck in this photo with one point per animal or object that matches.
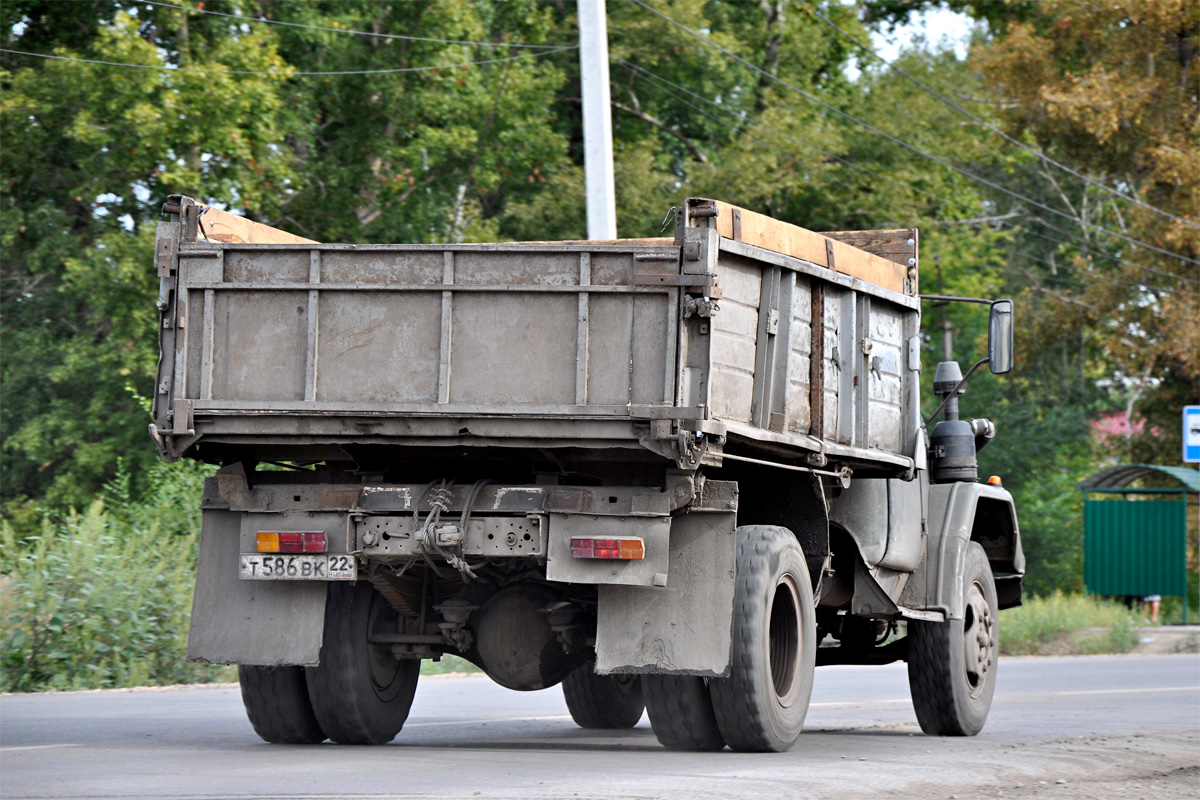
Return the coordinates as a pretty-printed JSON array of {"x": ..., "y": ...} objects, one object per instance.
[{"x": 673, "y": 475}]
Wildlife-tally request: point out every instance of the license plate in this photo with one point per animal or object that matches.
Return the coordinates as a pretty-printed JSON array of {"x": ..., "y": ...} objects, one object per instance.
[{"x": 325, "y": 567}]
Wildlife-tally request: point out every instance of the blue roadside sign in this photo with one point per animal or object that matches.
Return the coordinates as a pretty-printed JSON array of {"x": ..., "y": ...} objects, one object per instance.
[{"x": 1191, "y": 434}]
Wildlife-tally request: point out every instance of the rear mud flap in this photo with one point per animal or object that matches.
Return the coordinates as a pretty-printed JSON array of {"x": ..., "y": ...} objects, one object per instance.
[
  {"x": 686, "y": 627},
  {"x": 261, "y": 623}
]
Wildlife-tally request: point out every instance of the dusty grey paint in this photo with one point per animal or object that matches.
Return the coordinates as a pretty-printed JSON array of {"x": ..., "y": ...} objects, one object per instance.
[
  {"x": 655, "y": 533},
  {"x": 937, "y": 583},
  {"x": 905, "y": 524},
  {"x": 861, "y": 510},
  {"x": 249, "y": 622},
  {"x": 686, "y": 627}
]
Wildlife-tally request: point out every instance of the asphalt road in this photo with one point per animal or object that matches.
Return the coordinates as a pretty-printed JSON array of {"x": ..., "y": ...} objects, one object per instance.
[{"x": 1104, "y": 726}]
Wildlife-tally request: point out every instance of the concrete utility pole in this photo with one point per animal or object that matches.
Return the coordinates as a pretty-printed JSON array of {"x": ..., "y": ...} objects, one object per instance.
[
  {"x": 597, "y": 120},
  {"x": 947, "y": 341}
]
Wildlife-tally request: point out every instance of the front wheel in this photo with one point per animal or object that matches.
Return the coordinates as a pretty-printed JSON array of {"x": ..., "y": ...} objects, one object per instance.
[
  {"x": 761, "y": 706},
  {"x": 360, "y": 692},
  {"x": 952, "y": 664}
]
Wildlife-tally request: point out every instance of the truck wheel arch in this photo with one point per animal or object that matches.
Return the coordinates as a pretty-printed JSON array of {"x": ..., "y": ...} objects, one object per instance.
[
  {"x": 795, "y": 501},
  {"x": 960, "y": 513},
  {"x": 995, "y": 529}
]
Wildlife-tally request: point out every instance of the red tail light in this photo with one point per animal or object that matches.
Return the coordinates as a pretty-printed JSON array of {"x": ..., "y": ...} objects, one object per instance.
[
  {"x": 291, "y": 542},
  {"x": 625, "y": 548}
]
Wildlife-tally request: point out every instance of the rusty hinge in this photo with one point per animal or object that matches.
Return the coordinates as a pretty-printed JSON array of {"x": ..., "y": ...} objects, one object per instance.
[
  {"x": 699, "y": 208},
  {"x": 175, "y": 204}
]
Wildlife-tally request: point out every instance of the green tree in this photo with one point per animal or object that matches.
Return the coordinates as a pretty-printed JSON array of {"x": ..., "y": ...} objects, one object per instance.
[
  {"x": 424, "y": 156},
  {"x": 90, "y": 152}
]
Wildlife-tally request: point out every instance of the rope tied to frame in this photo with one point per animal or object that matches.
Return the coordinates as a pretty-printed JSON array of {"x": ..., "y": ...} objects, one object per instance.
[{"x": 440, "y": 498}]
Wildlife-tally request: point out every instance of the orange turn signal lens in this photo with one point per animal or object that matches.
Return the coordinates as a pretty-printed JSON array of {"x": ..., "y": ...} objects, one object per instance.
[
  {"x": 625, "y": 548},
  {"x": 995, "y": 481},
  {"x": 291, "y": 542}
]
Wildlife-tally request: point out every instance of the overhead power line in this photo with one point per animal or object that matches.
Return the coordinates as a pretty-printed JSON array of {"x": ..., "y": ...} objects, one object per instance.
[
  {"x": 890, "y": 137},
  {"x": 281, "y": 73},
  {"x": 662, "y": 82},
  {"x": 372, "y": 34},
  {"x": 1100, "y": 275},
  {"x": 1072, "y": 242},
  {"x": 979, "y": 120},
  {"x": 759, "y": 124}
]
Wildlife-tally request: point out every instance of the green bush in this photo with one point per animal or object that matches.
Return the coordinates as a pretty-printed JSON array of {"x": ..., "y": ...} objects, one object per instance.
[
  {"x": 1067, "y": 624},
  {"x": 101, "y": 599}
]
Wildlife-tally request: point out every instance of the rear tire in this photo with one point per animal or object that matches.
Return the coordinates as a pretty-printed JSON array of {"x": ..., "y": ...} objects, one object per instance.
[
  {"x": 681, "y": 712},
  {"x": 360, "y": 692},
  {"x": 603, "y": 701},
  {"x": 761, "y": 706},
  {"x": 952, "y": 664},
  {"x": 276, "y": 701}
]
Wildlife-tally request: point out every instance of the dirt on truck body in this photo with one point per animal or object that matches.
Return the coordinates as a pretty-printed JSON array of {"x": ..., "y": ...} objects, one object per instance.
[{"x": 656, "y": 471}]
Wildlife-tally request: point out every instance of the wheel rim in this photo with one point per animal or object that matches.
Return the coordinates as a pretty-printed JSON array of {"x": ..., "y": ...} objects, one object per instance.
[
  {"x": 383, "y": 665},
  {"x": 784, "y": 637},
  {"x": 979, "y": 640}
]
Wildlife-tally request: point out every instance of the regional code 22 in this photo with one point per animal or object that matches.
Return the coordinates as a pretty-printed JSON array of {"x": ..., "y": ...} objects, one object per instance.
[{"x": 257, "y": 567}]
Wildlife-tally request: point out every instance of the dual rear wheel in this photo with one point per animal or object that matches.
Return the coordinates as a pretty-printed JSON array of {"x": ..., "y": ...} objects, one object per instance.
[
  {"x": 358, "y": 694},
  {"x": 761, "y": 706},
  {"x": 604, "y": 702}
]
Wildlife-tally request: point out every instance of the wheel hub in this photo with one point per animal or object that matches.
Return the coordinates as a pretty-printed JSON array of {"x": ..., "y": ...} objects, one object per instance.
[
  {"x": 383, "y": 667},
  {"x": 979, "y": 639}
]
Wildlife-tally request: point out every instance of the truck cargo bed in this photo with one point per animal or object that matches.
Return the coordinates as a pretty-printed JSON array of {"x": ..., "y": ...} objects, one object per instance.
[{"x": 687, "y": 348}]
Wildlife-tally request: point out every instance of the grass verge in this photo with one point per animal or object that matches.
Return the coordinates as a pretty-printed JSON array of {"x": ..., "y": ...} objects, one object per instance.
[
  {"x": 1067, "y": 624},
  {"x": 448, "y": 665}
]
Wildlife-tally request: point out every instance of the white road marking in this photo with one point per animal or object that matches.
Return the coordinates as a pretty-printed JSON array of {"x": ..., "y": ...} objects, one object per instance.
[
  {"x": 35, "y": 747},
  {"x": 890, "y": 701},
  {"x": 1132, "y": 691},
  {"x": 479, "y": 720}
]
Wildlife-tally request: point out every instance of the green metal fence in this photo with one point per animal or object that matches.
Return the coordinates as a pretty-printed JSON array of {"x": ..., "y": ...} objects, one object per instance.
[{"x": 1135, "y": 545}]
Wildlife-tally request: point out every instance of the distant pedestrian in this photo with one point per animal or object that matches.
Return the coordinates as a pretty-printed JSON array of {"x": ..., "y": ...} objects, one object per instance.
[{"x": 1150, "y": 605}]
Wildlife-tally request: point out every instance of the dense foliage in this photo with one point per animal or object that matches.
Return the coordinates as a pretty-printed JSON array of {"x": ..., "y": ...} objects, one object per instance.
[
  {"x": 101, "y": 599},
  {"x": 443, "y": 120}
]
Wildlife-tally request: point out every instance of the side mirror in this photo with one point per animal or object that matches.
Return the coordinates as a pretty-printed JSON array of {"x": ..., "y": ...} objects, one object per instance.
[{"x": 1000, "y": 337}]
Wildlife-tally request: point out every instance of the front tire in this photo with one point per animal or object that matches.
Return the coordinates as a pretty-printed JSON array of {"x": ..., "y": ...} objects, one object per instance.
[
  {"x": 609, "y": 702},
  {"x": 952, "y": 664},
  {"x": 360, "y": 692},
  {"x": 761, "y": 706},
  {"x": 276, "y": 701}
]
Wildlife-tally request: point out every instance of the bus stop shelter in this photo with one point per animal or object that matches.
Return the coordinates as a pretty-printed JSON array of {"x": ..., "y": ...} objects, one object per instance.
[{"x": 1135, "y": 539}]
